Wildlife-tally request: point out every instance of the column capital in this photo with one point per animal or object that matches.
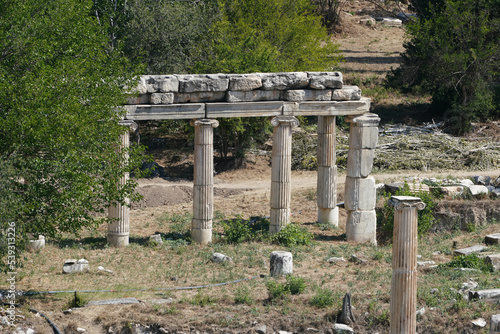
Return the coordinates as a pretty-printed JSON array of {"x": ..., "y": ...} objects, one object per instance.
[
  {"x": 368, "y": 119},
  {"x": 278, "y": 120},
  {"x": 401, "y": 202},
  {"x": 129, "y": 123},
  {"x": 205, "y": 122}
]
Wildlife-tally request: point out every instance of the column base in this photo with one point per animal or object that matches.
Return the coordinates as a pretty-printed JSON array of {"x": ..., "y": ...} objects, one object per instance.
[
  {"x": 202, "y": 236},
  {"x": 118, "y": 240},
  {"x": 329, "y": 215},
  {"x": 361, "y": 226}
]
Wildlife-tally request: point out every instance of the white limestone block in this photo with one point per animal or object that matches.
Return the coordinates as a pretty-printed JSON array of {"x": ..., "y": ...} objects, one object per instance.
[
  {"x": 203, "y": 83},
  {"x": 35, "y": 245},
  {"x": 75, "y": 266},
  {"x": 197, "y": 97},
  {"x": 478, "y": 190},
  {"x": 469, "y": 250},
  {"x": 360, "y": 193},
  {"x": 483, "y": 294},
  {"x": 342, "y": 329},
  {"x": 297, "y": 95},
  {"x": 361, "y": 226},
  {"x": 284, "y": 80},
  {"x": 161, "y": 98},
  {"x": 167, "y": 84},
  {"x": 244, "y": 82},
  {"x": 324, "y": 80},
  {"x": 467, "y": 182},
  {"x": 155, "y": 239},
  {"x": 281, "y": 263},
  {"x": 346, "y": 93},
  {"x": 253, "y": 96},
  {"x": 492, "y": 238},
  {"x": 220, "y": 258},
  {"x": 494, "y": 260},
  {"x": 363, "y": 137},
  {"x": 392, "y": 22},
  {"x": 495, "y": 323},
  {"x": 359, "y": 162}
]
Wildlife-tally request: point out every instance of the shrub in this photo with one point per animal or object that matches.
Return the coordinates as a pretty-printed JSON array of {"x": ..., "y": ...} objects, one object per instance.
[
  {"x": 292, "y": 235},
  {"x": 323, "y": 298},
  {"x": 242, "y": 296},
  {"x": 469, "y": 261},
  {"x": 276, "y": 290},
  {"x": 296, "y": 285},
  {"x": 239, "y": 230}
]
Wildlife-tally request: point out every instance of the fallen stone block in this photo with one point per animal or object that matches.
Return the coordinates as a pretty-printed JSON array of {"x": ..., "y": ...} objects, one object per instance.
[
  {"x": 35, "y": 245},
  {"x": 494, "y": 260},
  {"x": 117, "y": 301},
  {"x": 335, "y": 260},
  {"x": 469, "y": 250},
  {"x": 75, "y": 266},
  {"x": 155, "y": 239},
  {"x": 495, "y": 323},
  {"x": 477, "y": 190},
  {"x": 219, "y": 258},
  {"x": 342, "y": 329},
  {"x": 281, "y": 263},
  {"x": 492, "y": 239},
  {"x": 482, "y": 180},
  {"x": 483, "y": 294}
]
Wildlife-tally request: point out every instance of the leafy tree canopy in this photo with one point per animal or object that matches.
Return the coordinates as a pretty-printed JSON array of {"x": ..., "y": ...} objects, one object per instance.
[
  {"x": 59, "y": 130},
  {"x": 454, "y": 53}
]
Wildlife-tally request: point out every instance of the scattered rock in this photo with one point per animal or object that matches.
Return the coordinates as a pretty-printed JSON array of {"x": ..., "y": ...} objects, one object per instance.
[
  {"x": 342, "y": 329},
  {"x": 483, "y": 294},
  {"x": 494, "y": 260},
  {"x": 482, "y": 180},
  {"x": 155, "y": 239},
  {"x": 220, "y": 258},
  {"x": 434, "y": 290},
  {"x": 467, "y": 182},
  {"x": 358, "y": 260},
  {"x": 260, "y": 329},
  {"x": 479, "y": 322},
  {"x": 75, "y": 266},
  {"x": 421, "y": 311},
  {"x": 477, "y": 190},
  {"x": 335, "y": 259},
  {"x": 469, "y": 250},
  {"x": 35, "y": 245},
  {"x": 346, "y": 317},
  {"x": 425, "y": 263},
  {"x": 284, "y": 332},
  {"x": 496, "y": 183},
  {"x": 101, "y": 268},
  {"x": 81, "y": 330}
]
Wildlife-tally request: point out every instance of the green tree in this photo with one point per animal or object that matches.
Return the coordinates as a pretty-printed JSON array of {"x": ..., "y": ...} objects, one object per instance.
[
  {"x": 454, "y": 54},
  {"x": 59, "y": 92},
  {"x": 263, "y": 36}
]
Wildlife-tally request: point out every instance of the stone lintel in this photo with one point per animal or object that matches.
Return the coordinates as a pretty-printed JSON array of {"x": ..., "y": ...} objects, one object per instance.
[
  {"x": 171, "y": 111},
  {"x": 327, "y": 108},
  {"x": 244, "y": 109},
  {"x": 400, "y": 202}
]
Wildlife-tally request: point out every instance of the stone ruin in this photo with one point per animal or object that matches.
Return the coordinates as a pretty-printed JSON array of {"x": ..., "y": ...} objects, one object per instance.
[{"x": 282, "y": 96}]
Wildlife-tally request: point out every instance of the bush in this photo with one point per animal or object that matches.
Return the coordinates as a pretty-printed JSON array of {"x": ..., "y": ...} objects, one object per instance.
[
  {"x": 294, "y": 285},
  {"x": 242, "y": 296},
  {"x": 292, "y": 235},
  {"x": 239, "y": 230},
  {"x": 323, "y": 298},
  {"x": 469, "y": 261}
]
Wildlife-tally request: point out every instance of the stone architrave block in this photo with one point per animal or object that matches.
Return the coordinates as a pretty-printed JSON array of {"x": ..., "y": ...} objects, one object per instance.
[
  {"x": 75, "y": 266},
  {"x": 361, "y": 226},
  {"x": 161, "y": 98},
  {"x": 363, "y": 137},
  {"x": 167, "y": 84},
  {"x": 360, "y": 193},
  {"x": 324, "y": 80},
  {"x": 469, "y": 250},
  {"x": 297, "y": 95},
  {"x": 346, "y": 93},
  {"x": 198, "y": 97},
  {"x": 478, "y": 190},
  {"x": 281, "y": 263},
  {"x": 253, "y": 96},
  {"x": 359, "y": 162},
  {"x": 284, "y": 80},
  {"x": 494, "y": 259},
  {"x": 244, "y": 82},
  {"x": 492, "y": 239},
  {"x": 203, "y": 83}
]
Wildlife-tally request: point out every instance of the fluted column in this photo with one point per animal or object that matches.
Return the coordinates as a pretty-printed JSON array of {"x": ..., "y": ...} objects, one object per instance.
[
  {"x": 359, "y": 186},
  {"x": 203, "y": 188},
  {"x": 119, "y": 227},
  {"x": 326, "y": 189},
  {"x": 404, "y": 264},
  {"x": 281, "y": 172}
]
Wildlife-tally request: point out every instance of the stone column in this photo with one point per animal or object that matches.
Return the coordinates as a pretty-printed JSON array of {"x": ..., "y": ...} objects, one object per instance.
[
  {"x": 326, "y": 189},
  {"x": 203, "y": 188},
  {"x": 360, "y": 191},
  {"x": 281, "y": 172},
  {"x": 404, "y": 264},
  {"x": 119, "y": 228}
]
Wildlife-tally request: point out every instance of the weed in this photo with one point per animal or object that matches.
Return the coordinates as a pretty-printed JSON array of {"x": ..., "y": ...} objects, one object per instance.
[
  {"x": 242, "y": 296},
  {"x": 469, "y": 261},
  {"x": 77, "y": 301},
  {"x": 239, "y": 230},
  {"x": 323, "y": 298},
  {"x": 202, "y": 299},
  {"x": 276, "y": 290},
  {"x": 296, "y": 285},
  {"x": 292, "y": 235},
  {"x": 325, "y": 226}
]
